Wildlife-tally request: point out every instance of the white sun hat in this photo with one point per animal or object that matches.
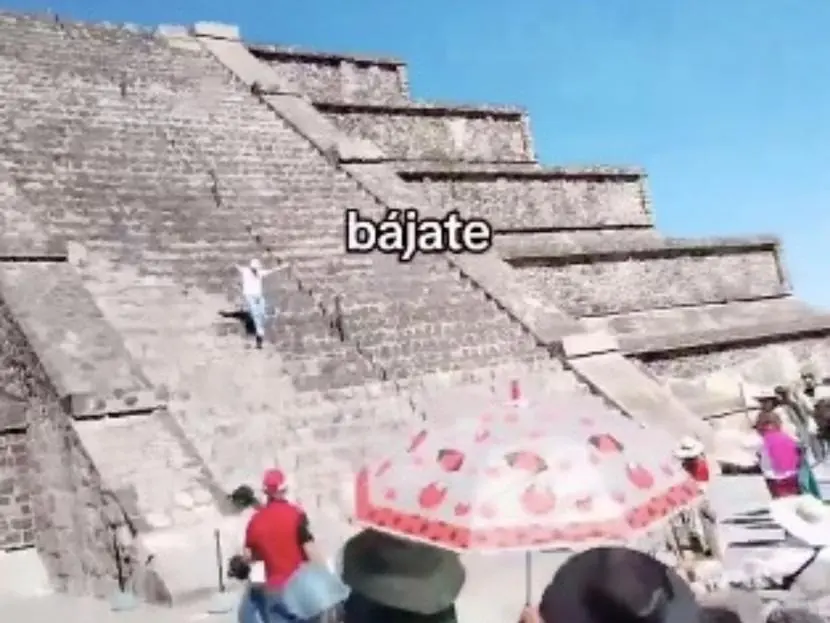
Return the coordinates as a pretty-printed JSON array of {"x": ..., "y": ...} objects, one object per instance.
[{"x": 688, "y": 448}]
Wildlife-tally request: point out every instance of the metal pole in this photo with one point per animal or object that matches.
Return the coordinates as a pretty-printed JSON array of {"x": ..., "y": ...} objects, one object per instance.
[
  {"x": 119, "y": 563},
  {"x": 528, "y": 578},
  {"x": 220, "y": 567}
]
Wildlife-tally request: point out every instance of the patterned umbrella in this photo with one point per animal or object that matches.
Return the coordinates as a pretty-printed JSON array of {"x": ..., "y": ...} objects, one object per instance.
[{"x": 572, "y": 476}]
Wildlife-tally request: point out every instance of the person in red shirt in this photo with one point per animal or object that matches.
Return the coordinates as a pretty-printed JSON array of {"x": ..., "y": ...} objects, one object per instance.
[
  {"x": 279, "y": 536},
  {"x": 691, "y": 454}
]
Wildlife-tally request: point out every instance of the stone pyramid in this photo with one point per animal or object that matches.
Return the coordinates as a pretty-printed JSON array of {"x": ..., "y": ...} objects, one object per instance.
[{"x": 137, "y": 168}]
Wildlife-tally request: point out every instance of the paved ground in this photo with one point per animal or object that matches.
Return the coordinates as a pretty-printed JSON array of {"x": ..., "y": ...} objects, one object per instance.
[{"x": 740, "y": 501}]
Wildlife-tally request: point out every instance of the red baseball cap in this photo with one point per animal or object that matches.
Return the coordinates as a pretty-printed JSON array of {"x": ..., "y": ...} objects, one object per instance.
[{"x": 273, "y": 481}]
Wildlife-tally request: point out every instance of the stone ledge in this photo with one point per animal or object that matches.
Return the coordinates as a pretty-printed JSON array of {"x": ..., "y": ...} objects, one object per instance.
[
  {"x": 12, "y": 413},
  {"x": 118, "y": 402},
  {"x": 279, "y": 52},
  {"x": 25, "y": 249},
  {"x": 414, "y": 171},
  {"x": 551, "y": 254},
  {"x": 434, "y": 109},
  {"x": 714, "y": 339},
  {"x": 215, "y": 30},
  {"x": 623, "y": 384},
  {"x": 83, "y": 355},
  {"x": 586, "y": 344}
]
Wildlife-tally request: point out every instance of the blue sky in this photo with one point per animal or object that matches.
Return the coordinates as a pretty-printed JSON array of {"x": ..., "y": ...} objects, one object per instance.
[{"x": 726, "y": 103}]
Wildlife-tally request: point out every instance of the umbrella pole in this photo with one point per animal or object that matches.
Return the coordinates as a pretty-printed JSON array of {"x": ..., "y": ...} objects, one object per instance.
[{"x": 528, "y": 578}]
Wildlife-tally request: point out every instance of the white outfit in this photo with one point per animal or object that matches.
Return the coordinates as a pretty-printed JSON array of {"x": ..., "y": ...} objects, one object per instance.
[
  {"x": 254, "y": 299},
  {"x": 251, "y": 281}
]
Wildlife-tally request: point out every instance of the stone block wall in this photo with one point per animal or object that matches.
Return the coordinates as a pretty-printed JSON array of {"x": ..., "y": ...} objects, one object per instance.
[
  {"x": 541, "y": 201},
  {"x": 600, "y": 288},
  {"x": 805, "y": 349},
  {"x": 16, "y": 516},
  {"x": 425, "y": 132},
  {"x": 337, "y": 78},
  {"x": 70, "y": 507}
]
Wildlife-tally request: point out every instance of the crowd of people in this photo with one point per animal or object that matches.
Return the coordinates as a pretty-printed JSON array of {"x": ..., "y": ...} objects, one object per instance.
[
  {"x": 384, "y": 579},
  {"x": 792, "y": 425}
]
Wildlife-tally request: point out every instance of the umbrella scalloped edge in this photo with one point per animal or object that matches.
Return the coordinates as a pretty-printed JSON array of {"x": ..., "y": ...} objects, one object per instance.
[{"x": 636, "y": 521}]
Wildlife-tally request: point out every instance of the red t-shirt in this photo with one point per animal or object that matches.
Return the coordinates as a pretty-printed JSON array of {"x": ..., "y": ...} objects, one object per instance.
[
  {"x": 698, "y": 468},
  {"x": 276, "y": 535}
]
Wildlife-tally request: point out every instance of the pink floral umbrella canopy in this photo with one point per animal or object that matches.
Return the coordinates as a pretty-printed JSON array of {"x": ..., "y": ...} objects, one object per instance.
[{"x": 563, "y": 476}]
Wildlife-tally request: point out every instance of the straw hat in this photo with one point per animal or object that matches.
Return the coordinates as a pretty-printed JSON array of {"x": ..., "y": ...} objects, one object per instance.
[{"x": 689, "y": 448}]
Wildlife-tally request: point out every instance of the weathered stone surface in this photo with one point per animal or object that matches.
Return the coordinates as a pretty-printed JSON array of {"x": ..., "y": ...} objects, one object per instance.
[
  {"x": 705, "y": 360},
  {"x": 337, "y": 77},
  {"x": 435, "y": 132},
  {"x": 84, "y": 356},
  {"x": 613, "y": 287},
  {"x": 535, "y": 198},
  {"x": 69, "y": 503},
  {"x": 544, "y": 321},
  {"x": 17, "y": 524},
  {"x": 644, "y": 399},
  {"x": 766, "y": 332},
  {"x": 22, "y": 237},
  {"x": 662, "y": 322},
  {"x": 216, "y": 30},
  {"x": 586, "y": 344},
  {"x": 142, "y": 455},
  {"x": 573, "y": 241},
  {"x": 608, "y": 248}
]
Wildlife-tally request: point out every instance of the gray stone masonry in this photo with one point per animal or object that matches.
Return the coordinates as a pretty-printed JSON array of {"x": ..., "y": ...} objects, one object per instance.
[
  {"x": 337, "y": 77},
  {"x": 487, "y": 272},
  {"x": 628, "y": 389},
  {"x": 575, "y": 241},
  {"x": 705, "y": 360},
  {"x": 17, "y": 524},
  {"x": 149, "y": 192},
  {"x": 71, "y": 506},
  {"x": 84, "y": 356},
  {"x": 608, "y": 249},
  {"x": 539, "y": 198},
  {"x": 654, "y": 274},
  {"x": 769, "y": 331},
  {"x": 661, "y": 323},
  {"x": 437, "y": 132}
]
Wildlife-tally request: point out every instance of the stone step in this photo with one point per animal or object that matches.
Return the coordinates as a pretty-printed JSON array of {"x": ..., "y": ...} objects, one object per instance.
[
  {"x": 778, "y": 330},
  {"x": 654, "y": 322},
  {"x": 84, "y": 356},
  {"x": 336, "y": 77},
  {"x": 610, "y": 280},
  {"x": 436, "y": 132},
  {"x": 143, "y": 461},
  {"x": 541, "y": 197}
]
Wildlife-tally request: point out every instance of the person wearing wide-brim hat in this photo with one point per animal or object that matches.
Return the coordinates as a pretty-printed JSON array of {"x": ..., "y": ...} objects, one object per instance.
[
  {"x": 615, "y": 585},
  {"x": 699, "y": 524},
  {"x": 399, "y": 581}
]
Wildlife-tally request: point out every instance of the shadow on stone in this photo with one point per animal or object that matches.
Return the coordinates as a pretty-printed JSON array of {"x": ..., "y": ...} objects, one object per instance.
[{"x": 244, "y": 319}]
